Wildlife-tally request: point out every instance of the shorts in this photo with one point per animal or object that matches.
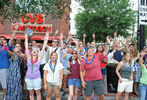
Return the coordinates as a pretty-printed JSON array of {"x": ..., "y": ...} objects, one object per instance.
[
  {"x": 74, "y": 82},
  {"x": 97, "y": 85},
  {"x": 50, "y": 86},
  {"x": 126, "y": 85},
  {"x": 33, "y": 84},
  {"x": 3, "y": 77},
  {"x": 41, "y": 70},
  {"x": 65, "y": 71},
  {"x": 103, "y": 70}
]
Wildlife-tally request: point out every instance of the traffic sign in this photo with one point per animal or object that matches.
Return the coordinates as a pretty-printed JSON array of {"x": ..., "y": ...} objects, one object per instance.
[{"x": 143, "y": 12}]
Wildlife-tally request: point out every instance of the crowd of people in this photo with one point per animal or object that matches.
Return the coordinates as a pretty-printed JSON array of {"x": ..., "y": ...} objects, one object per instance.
[{"x": 71, "y": 63}]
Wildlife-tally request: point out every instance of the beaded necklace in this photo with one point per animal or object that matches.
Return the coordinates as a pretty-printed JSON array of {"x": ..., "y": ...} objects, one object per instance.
[
  {"x": 91, "y": 61},
  {"x": 36, "y": 59},
  {"x": 50, "y": 65}
]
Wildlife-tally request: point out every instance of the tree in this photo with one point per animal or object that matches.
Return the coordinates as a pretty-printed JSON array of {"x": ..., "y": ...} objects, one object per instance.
[
  {"x": 145, "y": 34},
  {"x": 14, "y": 9},
  {"x": 103, "y": 17}
]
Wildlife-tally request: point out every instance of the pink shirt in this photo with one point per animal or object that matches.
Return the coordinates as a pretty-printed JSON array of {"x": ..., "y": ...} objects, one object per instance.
[{"x": 93, "y": 70}]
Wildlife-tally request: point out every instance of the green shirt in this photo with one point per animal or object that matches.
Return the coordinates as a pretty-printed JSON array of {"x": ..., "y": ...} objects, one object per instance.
[{"x": 144, "y": 75}]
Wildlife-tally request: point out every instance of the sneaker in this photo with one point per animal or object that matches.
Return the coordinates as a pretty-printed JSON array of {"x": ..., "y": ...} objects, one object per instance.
[{"x": 64, "y": 93}]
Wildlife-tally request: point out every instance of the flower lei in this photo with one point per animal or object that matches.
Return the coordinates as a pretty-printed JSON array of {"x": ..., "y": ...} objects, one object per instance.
[{"x": 91, "y": 61}]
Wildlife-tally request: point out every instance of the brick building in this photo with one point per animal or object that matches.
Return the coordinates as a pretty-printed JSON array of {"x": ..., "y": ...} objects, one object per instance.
[{"x": 62, "y": 25}]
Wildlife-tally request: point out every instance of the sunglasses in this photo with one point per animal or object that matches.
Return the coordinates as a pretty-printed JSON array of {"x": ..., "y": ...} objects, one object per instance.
[{"x": 74, "y": 53}]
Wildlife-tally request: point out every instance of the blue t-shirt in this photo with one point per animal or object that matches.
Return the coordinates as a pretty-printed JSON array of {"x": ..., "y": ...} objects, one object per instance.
[
  {"x": 66, "y": 59},
  {"x": 4, "y": 58},
  {"x": 117, "y": 56},
  {"x": 85, "y": 48}
]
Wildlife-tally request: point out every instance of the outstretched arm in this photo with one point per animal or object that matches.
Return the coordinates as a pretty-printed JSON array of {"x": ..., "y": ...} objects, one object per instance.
[
  {"x": 114, "y": 39},
  {"x": 141, "y": 58},
  {"x": 44, "y": 46},
  {"x": 93, "y": 35},
  {"x": 84, "y": 35},
  {"x": 11, "y": 39},
  {"x": 26, "y": 46},
  {"x": 107, "y": 47}
]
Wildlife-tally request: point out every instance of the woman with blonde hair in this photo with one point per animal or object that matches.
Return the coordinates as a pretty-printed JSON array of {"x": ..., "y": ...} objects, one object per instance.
[
  {"x": 33, "y": 77},
  {"x": 53, "y": 75},
  {"x": 125, "y": 74}
]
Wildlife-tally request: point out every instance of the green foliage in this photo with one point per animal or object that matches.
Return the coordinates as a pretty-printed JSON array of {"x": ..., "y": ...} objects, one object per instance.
[
  {"x": 103, "y": 17},
  {"x": 13, "y": 11},
  {"x": 145, "y": 32}
]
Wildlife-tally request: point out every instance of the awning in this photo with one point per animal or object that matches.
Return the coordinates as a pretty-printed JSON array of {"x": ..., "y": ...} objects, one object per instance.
[{"x": 32, "y": 38}]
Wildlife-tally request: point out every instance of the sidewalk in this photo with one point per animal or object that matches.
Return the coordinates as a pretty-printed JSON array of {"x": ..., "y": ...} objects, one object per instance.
[{"x": 79, "y": 98}]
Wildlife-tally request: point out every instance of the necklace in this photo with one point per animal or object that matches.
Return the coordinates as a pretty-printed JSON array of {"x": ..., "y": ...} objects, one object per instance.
[
  {"x": 83, "y": 53},
  {"x": 91, "y": 61},
  {"x": 36, "y": 59},
  {"x": 51, "y": 66},
  {"x": 52, "y": 69}
]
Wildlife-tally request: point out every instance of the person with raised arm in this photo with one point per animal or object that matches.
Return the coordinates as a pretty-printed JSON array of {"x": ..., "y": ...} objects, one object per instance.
[
  {"x": 33, "y": 77},
  {"x": 143, "y": 80},
  {"x": 55, "y": 47},
  {"x": 92, "y": 78},
  {"x": 4, "y": 60},
  {"x": 93, "y": 43},
  {"x": 53, "y": 75},
  {"x": 14, "y": 88}
]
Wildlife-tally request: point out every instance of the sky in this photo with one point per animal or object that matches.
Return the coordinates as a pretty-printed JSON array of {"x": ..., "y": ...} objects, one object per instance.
[{"x": 75, "y": 9}]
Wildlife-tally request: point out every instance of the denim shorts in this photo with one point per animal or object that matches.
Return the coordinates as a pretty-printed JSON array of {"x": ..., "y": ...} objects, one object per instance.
[
  {"x": 74, "y": 82},
  {"x": 103, "y": 70}
]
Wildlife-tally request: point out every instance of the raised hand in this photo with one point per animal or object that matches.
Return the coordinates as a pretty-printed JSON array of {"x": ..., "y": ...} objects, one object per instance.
[
  {"x": 128, "y": 39},
  {"x": 93, "y": 35},
  {"x": 70, "y": 36},
  {"x": 135, "y": 41},
  {"x": 61, "y": 35},
  {"x": 115, "y": 34},
  {"x": 47, "y": 36},
  {"x": 84, "y": 35},
  {"x": 108, "y": 39}
]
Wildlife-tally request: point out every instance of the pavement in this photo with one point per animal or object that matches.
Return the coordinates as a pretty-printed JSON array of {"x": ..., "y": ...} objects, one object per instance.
[{"x": 110, "y": 97}]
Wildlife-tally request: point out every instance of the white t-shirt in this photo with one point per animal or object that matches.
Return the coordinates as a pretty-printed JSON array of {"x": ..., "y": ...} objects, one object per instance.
[
  {"x": 44, "y": 58},
  {"x": 51, "y": 49},
  {"x": 53, "y": 77}
]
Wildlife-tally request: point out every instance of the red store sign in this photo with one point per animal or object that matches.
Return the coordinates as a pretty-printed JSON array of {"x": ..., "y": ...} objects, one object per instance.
[{"x": 34, "y": 22}]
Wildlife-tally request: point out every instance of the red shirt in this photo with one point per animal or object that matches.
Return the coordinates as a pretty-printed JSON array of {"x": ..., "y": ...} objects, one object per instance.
[
  {"x": 103, "y": 65},
  {"x": 76, "y": 71},
  {"x": 92, "y": 71}
]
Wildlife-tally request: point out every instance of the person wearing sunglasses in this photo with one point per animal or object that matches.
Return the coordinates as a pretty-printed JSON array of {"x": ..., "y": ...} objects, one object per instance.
[{"x": 74, "y": 81}]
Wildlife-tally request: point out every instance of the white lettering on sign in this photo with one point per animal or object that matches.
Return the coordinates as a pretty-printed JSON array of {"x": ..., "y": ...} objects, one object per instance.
[{"x": 142, "y": 15}]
